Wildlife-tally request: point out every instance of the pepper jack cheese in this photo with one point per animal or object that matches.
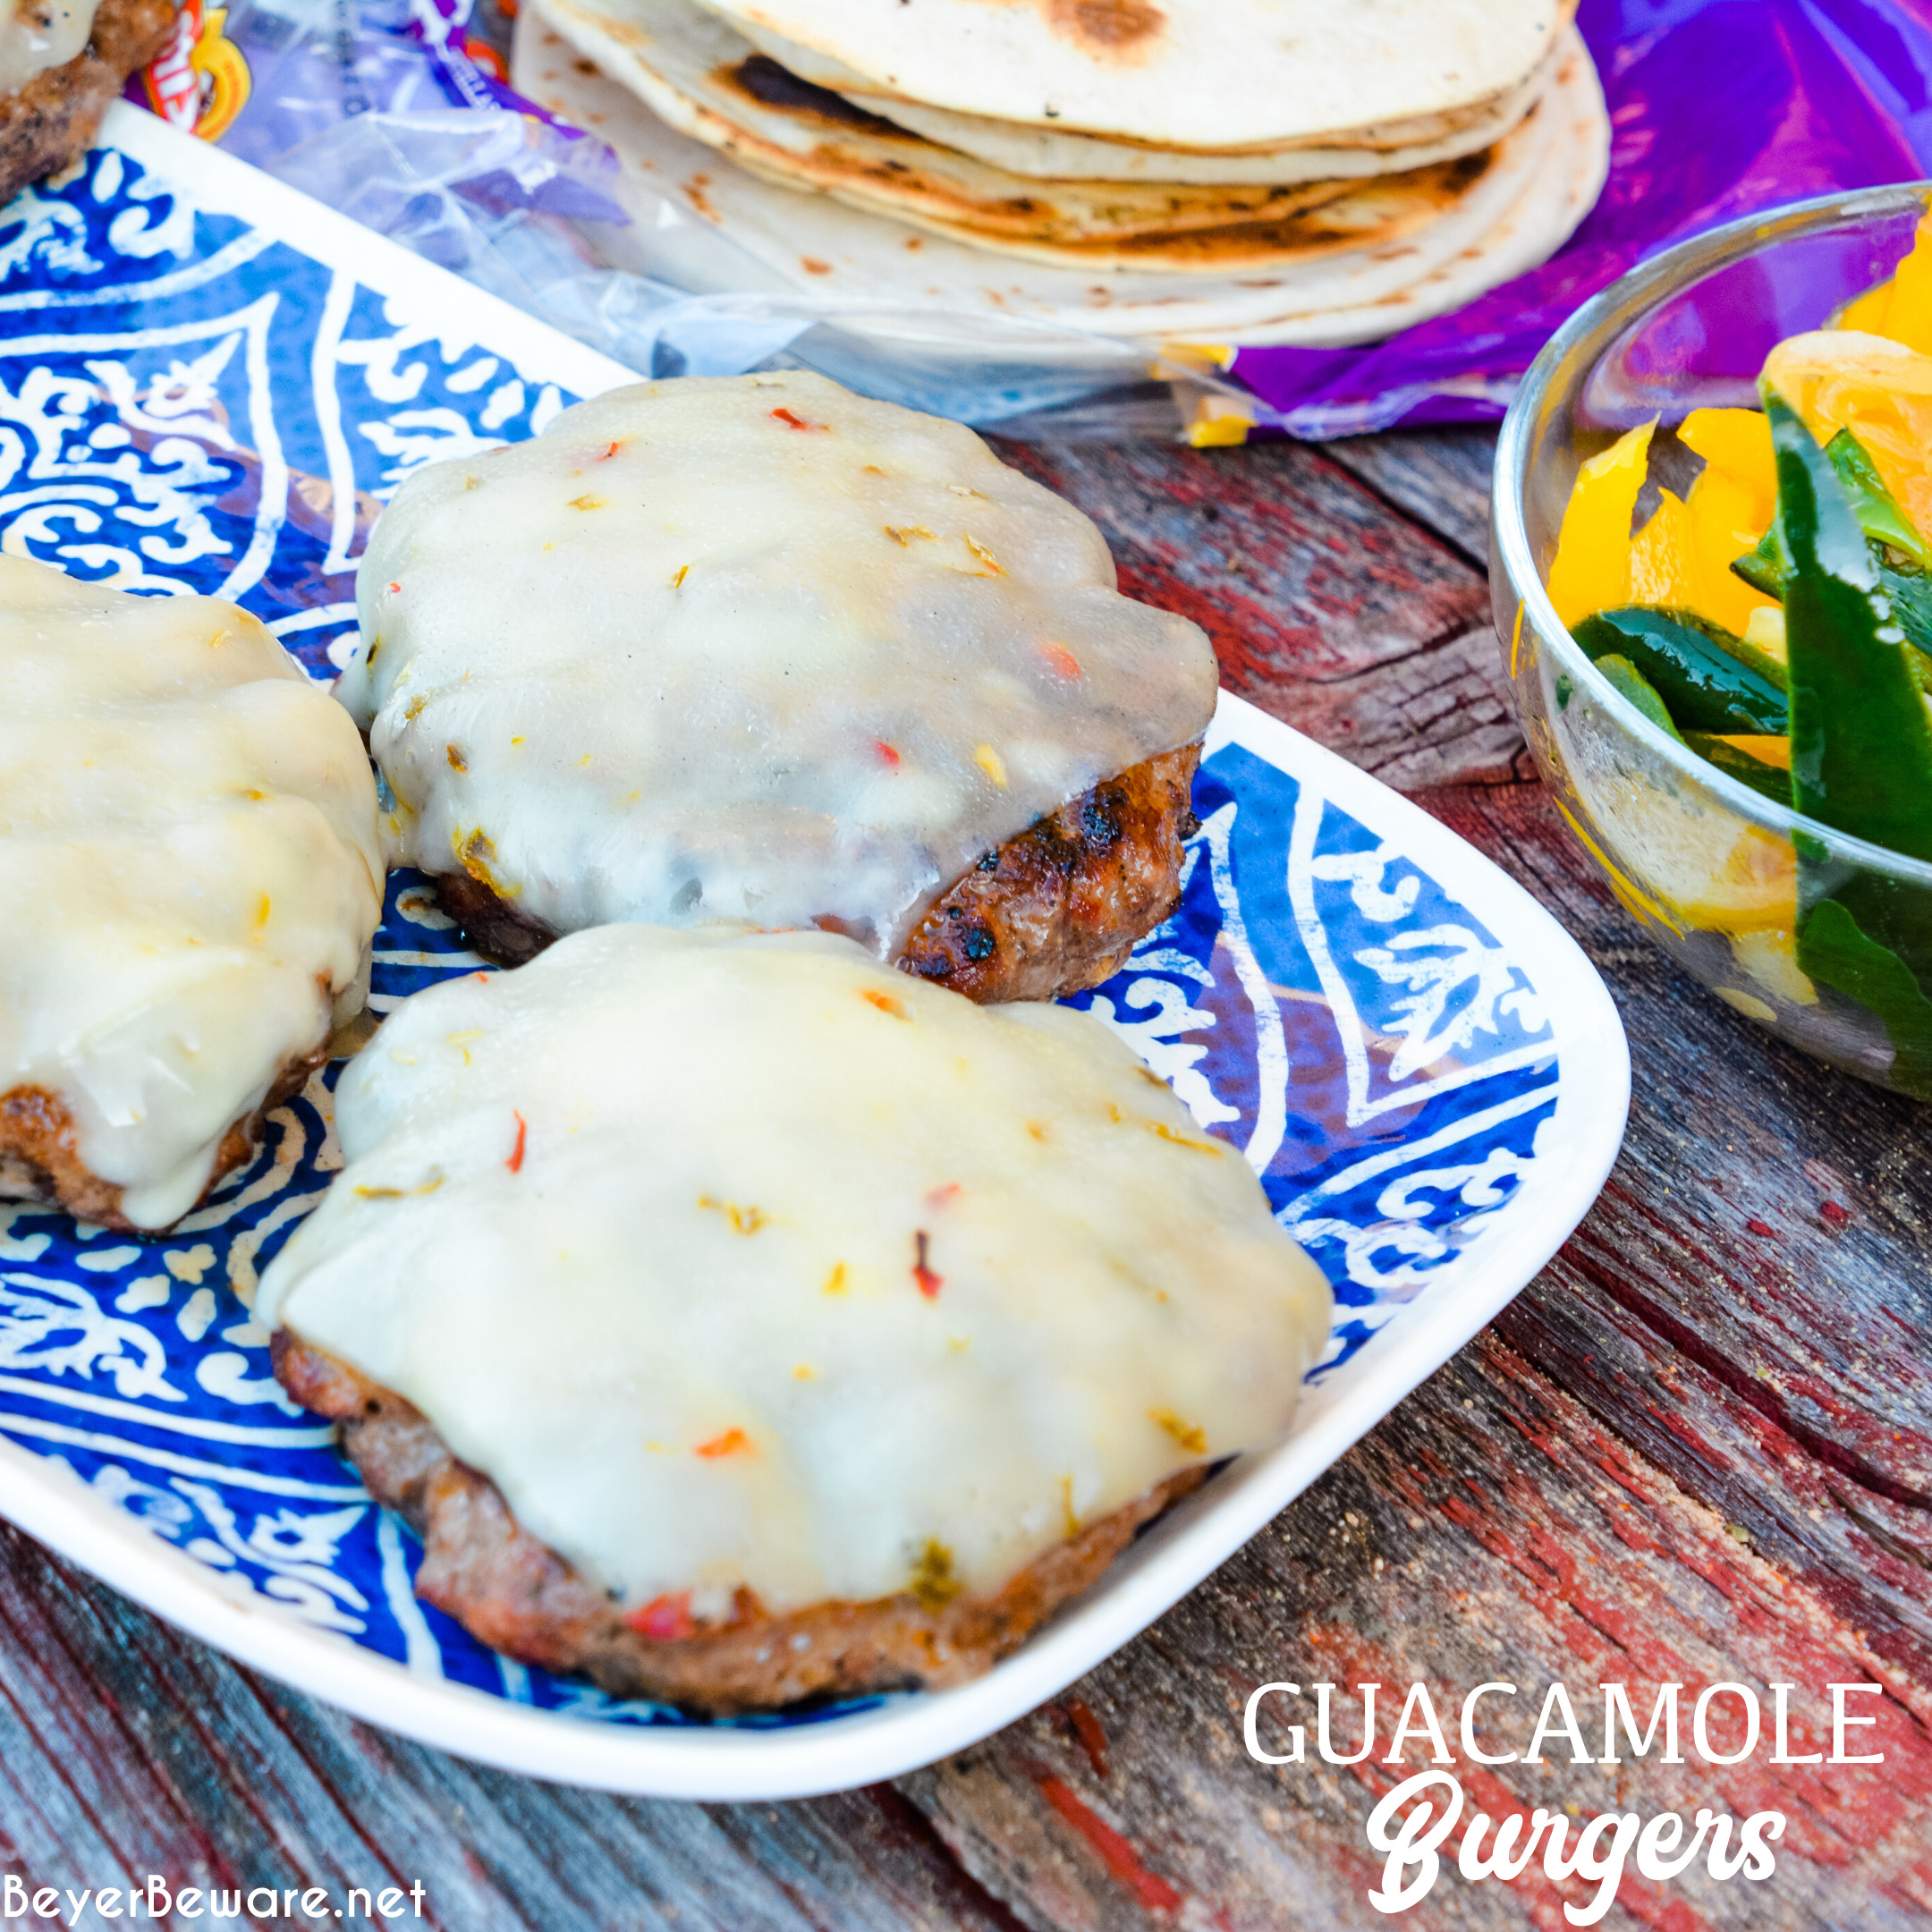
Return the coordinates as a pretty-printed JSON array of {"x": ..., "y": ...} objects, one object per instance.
[
  {"x": 191, "y": 875},
  {"x": 738, "y": 1259},
  {"x": 751, "y": 647},
  {"x": 36, "y": 35}
]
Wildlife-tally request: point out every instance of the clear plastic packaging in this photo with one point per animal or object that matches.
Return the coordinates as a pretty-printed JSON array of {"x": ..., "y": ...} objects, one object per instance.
[{"x": 394, "y": 113}]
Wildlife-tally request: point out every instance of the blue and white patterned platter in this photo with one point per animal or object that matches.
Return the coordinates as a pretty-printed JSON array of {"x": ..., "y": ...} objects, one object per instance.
[{"x": 209, "y": 383}]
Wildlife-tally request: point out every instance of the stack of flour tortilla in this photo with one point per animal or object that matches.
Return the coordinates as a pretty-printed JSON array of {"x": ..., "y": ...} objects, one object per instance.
[{"x": 1231, "y": 171}]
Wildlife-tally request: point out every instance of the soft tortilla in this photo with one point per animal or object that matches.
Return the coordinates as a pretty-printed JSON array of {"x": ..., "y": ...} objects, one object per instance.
[
  {"x": 992, "y": 140},
  {"x": 737, "y": 233},
  {"x": 1177, "y": 73},
  {"x": 1050, "y": 154},
  {"x": 705, "y": 81},
  {"x": 699, "y": 73}
]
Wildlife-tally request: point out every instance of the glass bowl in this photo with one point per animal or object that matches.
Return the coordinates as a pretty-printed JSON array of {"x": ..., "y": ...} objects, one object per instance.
[{"x": 1714, "y": 871}]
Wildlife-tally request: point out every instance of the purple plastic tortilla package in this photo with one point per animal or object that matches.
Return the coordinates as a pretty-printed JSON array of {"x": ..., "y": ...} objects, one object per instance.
[
  {"x": 290, "y": 85},
  {"x": 263, "y": 76},
  {"x": 1717, "y": 108},
  {"x": 396, "y": 112}
]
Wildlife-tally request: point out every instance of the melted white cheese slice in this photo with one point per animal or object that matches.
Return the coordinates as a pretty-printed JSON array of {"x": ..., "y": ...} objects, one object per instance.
[
  {"x": 190, "y": 869},
  {"x": 752, "y": 648},
  {"x": 739, "y": 1259},
  {"x": 39, "y": 34}
]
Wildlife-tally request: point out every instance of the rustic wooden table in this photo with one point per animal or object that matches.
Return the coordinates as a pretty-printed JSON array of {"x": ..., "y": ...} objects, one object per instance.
[{"x": 1698, "y": 1448}]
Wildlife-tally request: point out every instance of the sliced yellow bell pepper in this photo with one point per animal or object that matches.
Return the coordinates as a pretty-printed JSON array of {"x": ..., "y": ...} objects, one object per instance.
[
  {"x": 1731, "y": 504},
  {"x": 1721, "y": 513},
  {"x": 1766, "y": 632},
  {"x": 1767, "y": 750},
  {"x": 1878, "y": 389},
  {"x": 1909, "y": 319},
  {"x": 1703, "y": 868},
  {"x": 1870, "y": 314},
  {"x": 1681, "y": 559},
  {"x": 1737, "y": 442},
  {"x": 1591, "y": 570},
  {"x": 1770, "y": 956},
  {"x": 1662, "y": 565},
  {"x": 1902, "y": 308}
]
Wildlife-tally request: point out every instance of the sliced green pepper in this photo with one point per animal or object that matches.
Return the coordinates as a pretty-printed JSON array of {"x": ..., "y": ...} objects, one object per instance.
[
  {"x": 1705, "y": 686},
  {"x": 1917, "y": 663},
  {"x": 1861, "y": 742},
  {"x": 1891, "y": 534},
  {"x": 1875, "y": 506},
  {"x": 1882, "y": 518},
  {"x": 1833, "y": 945},
  {"x": 1771, "y": 781},
  {"x": 1862, "y": 755},
  {"x": 1910, "y": 591},
  {"x": 1752, "y": 656},
  {"x": 1624, "y": 677},
  {"x": 1765, "y": 567}
]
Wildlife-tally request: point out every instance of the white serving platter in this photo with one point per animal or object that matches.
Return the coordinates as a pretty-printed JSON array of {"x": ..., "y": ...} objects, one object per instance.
[{"x": 208, "y": 383}]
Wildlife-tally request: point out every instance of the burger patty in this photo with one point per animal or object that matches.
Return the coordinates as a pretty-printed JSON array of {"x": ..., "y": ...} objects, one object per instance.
[
  {"x": 38, "y": 1160},
  {"x": 1059, "y": 907},
  {"x": 53, "y": 119},
  {"x": 514, "y": 1593},
  {"x": 1056, "y": 909}
]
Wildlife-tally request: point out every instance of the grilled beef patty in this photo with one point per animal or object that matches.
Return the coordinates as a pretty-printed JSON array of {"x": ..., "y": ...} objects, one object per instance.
[
  {"x": 1057, "y": 908},
  {"x": 517, "y": 1595},
  {"x": 53, "y": 119},
  {"x": 38, "y": 1160}
]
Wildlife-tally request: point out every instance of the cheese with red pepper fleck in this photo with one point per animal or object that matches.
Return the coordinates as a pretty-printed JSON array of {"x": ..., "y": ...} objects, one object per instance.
[
  {"x": 189, "y": 866},
  {"x": 754, "y": 648},
  {"x": 808, "y": 1268}
]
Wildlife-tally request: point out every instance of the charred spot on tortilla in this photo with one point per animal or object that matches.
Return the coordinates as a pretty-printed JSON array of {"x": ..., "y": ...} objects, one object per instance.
[
  {"x": 1106, "y": 28},
  {"x": 761, "y": 78}
]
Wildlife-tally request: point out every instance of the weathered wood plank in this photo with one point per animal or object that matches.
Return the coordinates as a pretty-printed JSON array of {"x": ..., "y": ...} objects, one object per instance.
[
  {"x": 1769, "y": 1218},
  {"x": 1489, "y": 1531},
  {"x": 1363, "y": 629},
  {"x": 1438, "y": 478},
  {"x": 1826, "y": 1319},
  {"x": 127, "y": 1749}
]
